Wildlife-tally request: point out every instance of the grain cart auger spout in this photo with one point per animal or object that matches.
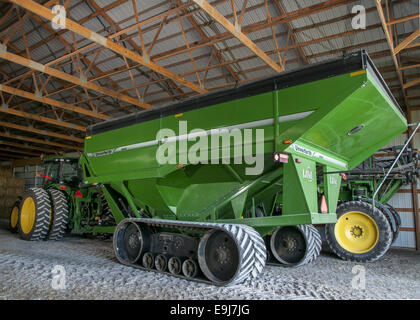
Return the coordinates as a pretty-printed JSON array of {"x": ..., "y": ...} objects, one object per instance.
[{"x": 212, "y": 188}]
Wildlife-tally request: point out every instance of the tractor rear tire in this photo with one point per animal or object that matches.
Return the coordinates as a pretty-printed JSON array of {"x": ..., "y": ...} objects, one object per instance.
[
  {"x": 362, "y": 233},
  {"x": 60, "y": 211},
  {"x": 397, "y": 221},
  {"x": 14, "y": 217},
  {"x": 34, "y": 215}
]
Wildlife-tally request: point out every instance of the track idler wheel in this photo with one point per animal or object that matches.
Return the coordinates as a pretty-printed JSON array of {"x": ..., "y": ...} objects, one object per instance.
[
  {"x": 131, "y": 240},
  {"x": 175, "y": 265},
  {"x": 190, "y": 268},
  {"x": 161, "y": 262},
  {"x": 294, "y": 246},
  {"x": 148, "y": 260}
]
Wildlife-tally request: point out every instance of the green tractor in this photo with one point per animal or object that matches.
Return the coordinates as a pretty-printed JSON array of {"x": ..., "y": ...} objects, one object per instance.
[{"x": 64, "y": 202}]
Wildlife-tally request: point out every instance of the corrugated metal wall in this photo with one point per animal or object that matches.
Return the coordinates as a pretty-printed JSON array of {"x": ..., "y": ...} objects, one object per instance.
[{"x": 403, "y": 200}]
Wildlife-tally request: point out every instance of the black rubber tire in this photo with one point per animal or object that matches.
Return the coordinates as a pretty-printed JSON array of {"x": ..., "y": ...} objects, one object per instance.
[
  {"x": 16, "y": 205},
  {"x": 313, "y": 244},
  {"x": 106, "y": 210},
  {"x": 397, "y": 220},
  {"x": 60, "y": 212},
  {"x": 384, "y": 239},
  {"x": 41, "y": 224}
]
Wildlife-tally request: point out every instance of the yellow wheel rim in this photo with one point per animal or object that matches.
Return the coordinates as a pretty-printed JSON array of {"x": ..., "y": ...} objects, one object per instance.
[
  {"x": 14, "y": 217},
  {"x": 356, "y": 232},
  {"x": 27, "y": 215}
]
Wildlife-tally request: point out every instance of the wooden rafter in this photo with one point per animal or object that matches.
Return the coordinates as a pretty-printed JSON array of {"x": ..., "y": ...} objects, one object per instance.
[
  {"x": 39, "y": 141},
  {"x": 98, "y": 39},
  {"x": 407, "y": 41},
  {"x": 52, "y": 102},
  {"x": 28, "y": 115},
  {"x": 391, "y": 47},
  {"x": 10, "y": 156},
  {"x": 20, "y": 151},
  {"x": 41, "y": 132},
  {"x": 236, "y": 31},
  {"x": 28, "y": 146},
  {"x": 69, "y": 78}
]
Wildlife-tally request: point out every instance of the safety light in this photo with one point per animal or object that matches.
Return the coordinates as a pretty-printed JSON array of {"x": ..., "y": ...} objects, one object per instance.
[
  {"x": 280, "y": 157},
  {"x": 63, "y": 187},
  {"x": 78, "y": 194}
]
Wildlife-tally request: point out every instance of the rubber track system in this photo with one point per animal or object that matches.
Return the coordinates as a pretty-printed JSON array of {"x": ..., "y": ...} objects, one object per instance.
[
  {"x": 260, "y": 257},
  {"x": 313, "y": 247},
  {"x": 250, "y": 244},
  {"x": 60, "y": 212},
  {"x": 42, "y": 220}
]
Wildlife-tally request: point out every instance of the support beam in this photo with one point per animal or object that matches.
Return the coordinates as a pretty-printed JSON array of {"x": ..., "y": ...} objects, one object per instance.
[
  {"x": 42, "y": 132},
  {"x": 235, "y": 30},
  {"x": 403, "y": 19},
  {"x": 69, "y": 78},
  {"x": 411, "y": 83},
  {"x": 26, "y": 162},
  {"x": 27, "y": 115},
  {"x": 10, "y": 156},
  {"x": 51, "y": 102},
  {"x": 39, "y": 141},
  {"x": 20, "y": 152},
  {"x": 407, "y": 41},
  {"x": 391, "y": 48},
  {"x": 98, "y": 39},
  {"x": 410, "y": 67},
  {"x": 27, "y": 146}
]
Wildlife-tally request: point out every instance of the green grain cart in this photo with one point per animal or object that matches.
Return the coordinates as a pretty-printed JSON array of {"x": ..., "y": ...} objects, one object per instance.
[{"x": 213, "y": 188}]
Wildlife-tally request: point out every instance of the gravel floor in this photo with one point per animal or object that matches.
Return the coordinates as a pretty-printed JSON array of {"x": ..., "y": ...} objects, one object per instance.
[{"x": 92, "y": 272}]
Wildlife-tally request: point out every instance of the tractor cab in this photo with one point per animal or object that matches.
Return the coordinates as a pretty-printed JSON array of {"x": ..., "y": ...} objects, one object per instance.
[{"x": 62, "y": 170}]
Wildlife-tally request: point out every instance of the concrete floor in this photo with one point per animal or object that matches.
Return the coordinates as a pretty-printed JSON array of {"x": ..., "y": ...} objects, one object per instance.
[{"x": 92, "y": 272}]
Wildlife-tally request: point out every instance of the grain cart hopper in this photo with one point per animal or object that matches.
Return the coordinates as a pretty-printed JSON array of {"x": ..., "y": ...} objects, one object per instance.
[
  {"x": 354, "y": 236},
  {"x": 211, "y": 188}
]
